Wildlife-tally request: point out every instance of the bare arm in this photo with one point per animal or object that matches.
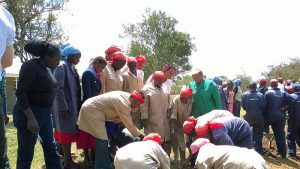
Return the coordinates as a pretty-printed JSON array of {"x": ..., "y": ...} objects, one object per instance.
[{"x": 7, "y": 58}]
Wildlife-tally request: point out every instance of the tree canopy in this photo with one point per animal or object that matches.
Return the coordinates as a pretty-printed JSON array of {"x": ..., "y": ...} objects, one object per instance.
[
  {"x": 34, "y": 19},
  {"x": 157, "y": 39}
]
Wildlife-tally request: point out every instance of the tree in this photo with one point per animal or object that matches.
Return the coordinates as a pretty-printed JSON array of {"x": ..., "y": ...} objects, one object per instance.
[
  {"x": 34, "y": 19},
  {"x": 287, "y": 70},
  {"x": 179, "y": 82},
  {"x": 157, "y": 38}
]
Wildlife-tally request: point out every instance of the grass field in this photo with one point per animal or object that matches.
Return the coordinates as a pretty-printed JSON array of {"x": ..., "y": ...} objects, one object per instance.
[{"x": 38, "y": 160}]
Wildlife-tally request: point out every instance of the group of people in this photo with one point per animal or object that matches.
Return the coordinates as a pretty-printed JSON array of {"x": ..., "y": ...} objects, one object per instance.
[{"x": 122, "y": 122}]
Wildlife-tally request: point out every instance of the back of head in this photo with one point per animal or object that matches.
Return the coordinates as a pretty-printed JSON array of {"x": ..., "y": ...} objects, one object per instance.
[
  {"x": 252, "y": 86},
  {"x": 40, "y": 48}
]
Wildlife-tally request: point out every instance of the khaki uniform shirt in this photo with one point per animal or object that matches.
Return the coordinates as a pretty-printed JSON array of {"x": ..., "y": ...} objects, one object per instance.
[
  {"x": 211, "y": 156},
  {"x": 132, "y": 82},
  {"x": 113, "y": 106},
  {"x": 142, "y": 155},
  {"x": 155, "y": 110},
  {"x": 180, "y": 112},
  {"x": 111, "y": 80}
]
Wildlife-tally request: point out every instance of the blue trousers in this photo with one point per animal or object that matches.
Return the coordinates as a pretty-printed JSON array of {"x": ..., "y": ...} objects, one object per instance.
[
  {"x": 27, "y": 140},
  {"x": 279, "y": 134},
  {"x": 4, "y": 163},
  {"x": 103, "y": 159},
  {"x": 257, "y": 139},
  {"x": 291, "y": 140},
  {"x": 236, "y": 108}
]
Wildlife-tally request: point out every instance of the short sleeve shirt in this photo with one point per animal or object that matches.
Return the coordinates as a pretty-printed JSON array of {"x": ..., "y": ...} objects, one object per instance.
[{"x": 7, "y": 27}]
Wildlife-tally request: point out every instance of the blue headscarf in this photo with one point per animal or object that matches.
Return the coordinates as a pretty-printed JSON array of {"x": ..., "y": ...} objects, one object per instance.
[
  {"x": 217, "y": 80},
  {"x": 67, "y": 49},
  {"x": 237, "y": 82}
]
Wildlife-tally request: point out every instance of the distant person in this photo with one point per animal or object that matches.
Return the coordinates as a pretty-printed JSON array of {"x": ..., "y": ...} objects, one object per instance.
[
  {"x": 146, "y": 154},
  {"x": 169, "y": 71},
  {"x": 206, "y": 95},
  {"x": 223, "y": 97},
  {"x": 237, "y": 97},
  {"x": 262, "y": 88},
  {"x": 229, "y": 93},
  {"x": 32, "y": 113},
  {"x": 111, "y": 50},
  {"x": 224, "y": 156},
  {"x": 7, "y": 35},
  {"x": 253, "y": 102}
]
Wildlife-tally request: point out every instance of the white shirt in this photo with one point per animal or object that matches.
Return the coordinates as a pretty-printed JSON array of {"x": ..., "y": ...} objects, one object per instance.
[
  {"x": 7, "y": 27},
  {"x": 7, "y": 32}
]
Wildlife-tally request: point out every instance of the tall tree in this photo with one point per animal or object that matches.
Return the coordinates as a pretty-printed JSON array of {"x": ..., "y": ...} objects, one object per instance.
[
  {"x": 35, "y": 19},
  {"x": 156, "y": 37}
]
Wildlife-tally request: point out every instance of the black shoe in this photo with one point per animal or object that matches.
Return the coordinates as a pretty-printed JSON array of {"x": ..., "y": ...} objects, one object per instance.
[{"x": 294, "y": 157}]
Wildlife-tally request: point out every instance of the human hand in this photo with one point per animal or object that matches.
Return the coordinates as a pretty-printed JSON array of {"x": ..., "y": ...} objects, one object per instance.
[{"x": 33, "y": 126}]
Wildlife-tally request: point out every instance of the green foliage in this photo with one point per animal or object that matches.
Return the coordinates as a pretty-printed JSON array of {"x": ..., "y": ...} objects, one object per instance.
[
  {"x": 287, "y": 70},
  {"x": 179, "y": 82},
  {"x": 157, "y": 39},
  {"x": 246, "y": 79},
  {"x": 34, "y": 19}
]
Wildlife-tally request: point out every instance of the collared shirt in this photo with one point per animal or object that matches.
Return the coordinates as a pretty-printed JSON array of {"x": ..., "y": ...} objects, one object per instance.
[
  {"x": 206, "y": 97},
  {"x": 113, "y": 106},
  {"x": 112, "y": 80}
]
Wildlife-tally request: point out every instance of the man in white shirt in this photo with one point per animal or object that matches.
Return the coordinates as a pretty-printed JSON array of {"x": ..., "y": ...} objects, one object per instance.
[{"x": 7, "y": 34}]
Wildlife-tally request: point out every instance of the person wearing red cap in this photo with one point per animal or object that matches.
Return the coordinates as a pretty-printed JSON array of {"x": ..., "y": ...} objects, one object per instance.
[
  {"x": 141, "y": 62},
  {"x": 276, "y": 99},
  {"x": 169, "y": 71},
  {"x": 154, "y": 111},
  {"x": 181, "y": 108},
  {"x": 144, "y": 154},
  {"x": 109, "y": 51},
  {"x": 262, "y": 88},
  {"x": 224, "y": 157},
  {"x": 228, "y": 130},
  {"x": 114, "y": 106},
  {"x": 111, "y": 75},
  {"x": 133, "y": 80}
]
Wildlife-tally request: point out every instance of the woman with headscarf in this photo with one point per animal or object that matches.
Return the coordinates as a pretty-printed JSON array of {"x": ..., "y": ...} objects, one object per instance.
[
  {"x": 91, "y": 86},
  {"x": 68, "y": 101},
  {"x": 32, "y": 111}
]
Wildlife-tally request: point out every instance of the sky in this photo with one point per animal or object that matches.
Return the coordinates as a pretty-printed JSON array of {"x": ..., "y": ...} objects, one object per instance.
[{"x": 231, "y": 36}]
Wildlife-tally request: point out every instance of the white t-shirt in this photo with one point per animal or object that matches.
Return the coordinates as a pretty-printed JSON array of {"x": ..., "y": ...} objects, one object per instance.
[
  {"x": 7, "y": 27},
  {"x": 7, "y": 32}
]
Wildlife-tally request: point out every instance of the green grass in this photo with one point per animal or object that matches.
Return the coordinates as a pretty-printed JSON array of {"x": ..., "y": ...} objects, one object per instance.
[{"x": 12, "y": 143}]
